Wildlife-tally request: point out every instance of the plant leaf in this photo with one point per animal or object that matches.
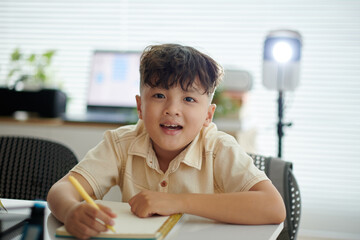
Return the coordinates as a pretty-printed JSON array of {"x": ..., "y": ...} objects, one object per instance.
[
  {"x": 12, "y": 71},
  {"x": 16, "y": 55},
  {"x": 32, "y": 58},
  {"x": 40, "y": 74},
  {"x": 48, "y": 55}
]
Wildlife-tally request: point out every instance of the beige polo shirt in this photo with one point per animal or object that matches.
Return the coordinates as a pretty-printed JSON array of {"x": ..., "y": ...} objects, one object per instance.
[{"x": 213, "y": 163}]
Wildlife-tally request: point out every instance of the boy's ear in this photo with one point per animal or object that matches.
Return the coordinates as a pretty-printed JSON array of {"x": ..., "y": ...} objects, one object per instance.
[
  {"x": 138, "y": 106},
  {"x": 210, "y": 114}
]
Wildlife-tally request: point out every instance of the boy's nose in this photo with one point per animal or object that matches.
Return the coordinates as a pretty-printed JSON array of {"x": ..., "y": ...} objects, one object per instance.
[{"x": 172, "y": 109}]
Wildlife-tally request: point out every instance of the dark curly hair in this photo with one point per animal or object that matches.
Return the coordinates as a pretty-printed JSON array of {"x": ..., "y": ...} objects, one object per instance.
[{"x": 167, "y": 65}]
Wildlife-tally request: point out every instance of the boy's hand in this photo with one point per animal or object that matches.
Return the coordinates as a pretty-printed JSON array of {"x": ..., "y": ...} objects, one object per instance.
[
  {"x": 81, "y": 220},
  {"x": 148, "y": 203}
]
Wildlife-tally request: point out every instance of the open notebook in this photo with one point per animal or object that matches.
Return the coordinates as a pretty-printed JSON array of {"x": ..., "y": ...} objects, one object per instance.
[{"x": 129, "y": 226}]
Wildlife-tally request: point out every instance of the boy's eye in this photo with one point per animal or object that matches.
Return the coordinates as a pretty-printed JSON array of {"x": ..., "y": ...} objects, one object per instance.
[
  {"x": 159, "y": 95},
  {"x": 189, "y": 99}
]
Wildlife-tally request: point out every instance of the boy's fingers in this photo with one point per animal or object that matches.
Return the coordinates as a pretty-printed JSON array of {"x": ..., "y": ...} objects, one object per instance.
[
  {"x": 107, "y": 210},
  {"x": 86, "y": 232},
  {"x": 101, "y": 215},
  {"x": 94, "y": 223},
  {"x": 81, "y": 230}
]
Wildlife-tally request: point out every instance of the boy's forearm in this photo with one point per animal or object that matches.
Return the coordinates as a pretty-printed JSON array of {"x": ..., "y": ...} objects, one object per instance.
[
  {"x": 61, "y": 198},
  {"x": 251, "y": 207},
  {"x": 63, "y": 195}
]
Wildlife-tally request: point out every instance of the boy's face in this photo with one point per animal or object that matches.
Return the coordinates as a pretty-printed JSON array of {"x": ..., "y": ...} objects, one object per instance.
[{"x": 174, "y": 117}]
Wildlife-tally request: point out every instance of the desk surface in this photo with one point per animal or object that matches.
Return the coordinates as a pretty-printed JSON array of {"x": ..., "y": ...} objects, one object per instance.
[
  {"x": 226, "y": 125},
  {"x": 191, "y": 227},
  {"x": 55, "y": 122}
]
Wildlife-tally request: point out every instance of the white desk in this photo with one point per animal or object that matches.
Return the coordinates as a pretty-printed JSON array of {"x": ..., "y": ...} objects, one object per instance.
[{"x": 191, "y": 227}]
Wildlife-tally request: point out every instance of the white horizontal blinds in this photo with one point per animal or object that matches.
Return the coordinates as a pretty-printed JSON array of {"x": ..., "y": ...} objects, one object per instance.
[
  {"x": 73, "y": 28},
  {"x": 324, "y": 141}
]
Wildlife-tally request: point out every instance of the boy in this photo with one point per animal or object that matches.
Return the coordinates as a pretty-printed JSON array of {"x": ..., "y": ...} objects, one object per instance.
[{"x": 173, "y": 160}]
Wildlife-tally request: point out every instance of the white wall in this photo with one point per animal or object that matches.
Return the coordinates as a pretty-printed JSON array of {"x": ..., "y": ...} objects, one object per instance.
[{"x": 77, "y": 138}]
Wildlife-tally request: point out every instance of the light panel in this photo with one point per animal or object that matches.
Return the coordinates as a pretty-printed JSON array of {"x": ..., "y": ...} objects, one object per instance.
[{"x": 282, "y": 54}]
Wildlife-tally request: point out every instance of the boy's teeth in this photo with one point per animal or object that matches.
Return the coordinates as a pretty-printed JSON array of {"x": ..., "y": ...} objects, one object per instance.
[
  {"x": 171, "y": 126},
  {"x": 166, "y": 125}
]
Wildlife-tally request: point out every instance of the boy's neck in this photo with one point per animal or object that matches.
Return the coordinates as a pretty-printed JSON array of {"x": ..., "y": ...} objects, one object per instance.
[
  {"x": 165, "y": 157},
  {"x": 164, "y": 165}
]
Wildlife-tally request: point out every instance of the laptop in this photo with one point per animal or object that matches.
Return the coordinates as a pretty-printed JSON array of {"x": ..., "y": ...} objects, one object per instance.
[{"x": 113, "y": 83}]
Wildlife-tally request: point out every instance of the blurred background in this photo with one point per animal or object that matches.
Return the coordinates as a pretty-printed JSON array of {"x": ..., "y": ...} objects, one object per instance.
[{"x": 324, "y": 141}]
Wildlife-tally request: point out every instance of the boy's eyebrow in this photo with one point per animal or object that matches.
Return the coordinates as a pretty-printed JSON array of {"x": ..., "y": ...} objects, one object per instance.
[
  {"x": 194, "y": 90},
  {"x": 189, "y": 90}
]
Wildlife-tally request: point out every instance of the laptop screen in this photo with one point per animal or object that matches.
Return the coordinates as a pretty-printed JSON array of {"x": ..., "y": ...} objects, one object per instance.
[{"x": 114, "y": 79}]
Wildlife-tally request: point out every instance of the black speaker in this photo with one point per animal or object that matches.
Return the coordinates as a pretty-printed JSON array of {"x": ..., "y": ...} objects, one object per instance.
[{"x": 50, "y": 103}]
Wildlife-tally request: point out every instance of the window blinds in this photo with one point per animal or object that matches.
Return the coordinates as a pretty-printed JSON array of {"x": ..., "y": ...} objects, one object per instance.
[{"x": 323, "y": 142}]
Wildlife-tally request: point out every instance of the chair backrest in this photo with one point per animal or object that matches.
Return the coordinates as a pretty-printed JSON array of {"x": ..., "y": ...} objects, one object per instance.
[
  {"x": 30, "y": 166},
  {"x": 281, "y": 175}
]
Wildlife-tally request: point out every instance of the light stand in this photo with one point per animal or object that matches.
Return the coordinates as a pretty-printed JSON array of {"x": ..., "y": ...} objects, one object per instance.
[
  {"x": 281, "y": 124},
  {"x": 281, "y": 68},
  {"x": 282, "y": 51}
]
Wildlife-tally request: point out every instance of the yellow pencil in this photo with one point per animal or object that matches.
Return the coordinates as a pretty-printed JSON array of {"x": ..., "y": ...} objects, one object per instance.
[{"x": 86, "y": 196}]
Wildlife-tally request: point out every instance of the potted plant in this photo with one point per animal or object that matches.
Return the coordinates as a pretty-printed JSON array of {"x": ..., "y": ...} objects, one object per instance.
[
  {"x": 226, "y": 105},
  {"x": 31, "y": 86},
  {"x": 30, "y": 72}
]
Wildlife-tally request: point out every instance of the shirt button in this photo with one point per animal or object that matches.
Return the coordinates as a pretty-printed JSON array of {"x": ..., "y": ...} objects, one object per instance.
[{"x": 163, "y": 183}]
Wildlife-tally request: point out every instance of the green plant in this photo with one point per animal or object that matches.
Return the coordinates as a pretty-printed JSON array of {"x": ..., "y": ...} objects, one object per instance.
[
  {"x": 32, "y": 69},
  {"x": 225, "y": 105}
]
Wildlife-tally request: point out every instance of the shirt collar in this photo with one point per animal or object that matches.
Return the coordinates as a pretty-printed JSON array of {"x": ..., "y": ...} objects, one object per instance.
[
  {"x": 141, "y": 144},
  {"x": 191, "y": 156}
]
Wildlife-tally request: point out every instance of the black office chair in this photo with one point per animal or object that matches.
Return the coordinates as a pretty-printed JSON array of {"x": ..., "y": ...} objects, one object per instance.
[
  {"x": 30, "y": 166},
  {"x": 281, "y": 175}
]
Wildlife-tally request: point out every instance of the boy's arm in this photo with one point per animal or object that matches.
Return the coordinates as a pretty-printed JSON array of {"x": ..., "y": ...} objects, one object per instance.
[
  {"x": 261, "y": 205},
  {"x": 79, "y": 217},
  {"x": 62, "y": 195}
]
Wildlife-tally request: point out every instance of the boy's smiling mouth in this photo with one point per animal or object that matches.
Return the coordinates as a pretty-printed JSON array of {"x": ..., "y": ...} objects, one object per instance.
[{"x": 171, "y": 126}]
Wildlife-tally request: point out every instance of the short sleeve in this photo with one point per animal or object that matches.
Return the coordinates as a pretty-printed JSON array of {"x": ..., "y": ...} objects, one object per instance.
[
  {"x": 101, "y": 166},
  {"x": 234, "y": 170}
]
